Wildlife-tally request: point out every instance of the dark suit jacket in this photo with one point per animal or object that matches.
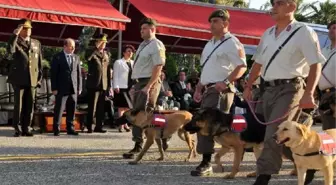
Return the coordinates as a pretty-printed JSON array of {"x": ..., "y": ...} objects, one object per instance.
[
  {"x": 65, "y": 78},
  {"x": 26, "y": 67},
  {"x": 99, "y": 70},
  {"x": 178, "y": 92}
]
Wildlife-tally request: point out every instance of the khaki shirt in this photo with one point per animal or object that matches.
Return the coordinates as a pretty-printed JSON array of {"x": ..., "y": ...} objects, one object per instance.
[
  {"x": 223, "y": 61},
  {"x": 301, "y": 51},
  {"x": 328, "y": 77},
  {"x": 152, "y": 54}
]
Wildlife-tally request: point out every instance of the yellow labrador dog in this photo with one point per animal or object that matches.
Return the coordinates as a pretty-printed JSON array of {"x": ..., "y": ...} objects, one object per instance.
[
  {"x": 158, "y": 126},
  {"x": 311, "y": 150}
]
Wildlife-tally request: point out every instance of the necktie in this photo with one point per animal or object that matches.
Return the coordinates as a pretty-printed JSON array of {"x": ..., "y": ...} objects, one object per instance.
[{"x": 69, "y": 60}]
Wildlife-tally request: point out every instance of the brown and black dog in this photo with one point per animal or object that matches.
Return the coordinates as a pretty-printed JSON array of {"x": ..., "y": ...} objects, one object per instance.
[
  {"x": 218, "y": 124},
  {"x": 172, "y": 123}
]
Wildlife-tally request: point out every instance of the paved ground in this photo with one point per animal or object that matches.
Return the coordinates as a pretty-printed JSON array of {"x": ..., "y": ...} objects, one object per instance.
[{"x": 96, "y": 160}]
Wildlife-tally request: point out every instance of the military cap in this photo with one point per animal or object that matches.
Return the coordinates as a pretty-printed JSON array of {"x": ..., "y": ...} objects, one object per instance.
[
  {"x": 221, "y": 13},
  {"x": 149, "y": 21},
  {"x": 26, "y": 23},
  {"x": 102, "y": 37},
  {"x": 331, "y": 23},
  {"x": 272, "y": 1}
]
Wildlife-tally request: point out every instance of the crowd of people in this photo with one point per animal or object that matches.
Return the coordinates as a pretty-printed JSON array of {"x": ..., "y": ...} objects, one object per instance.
[{"x": 287, "y": 69}]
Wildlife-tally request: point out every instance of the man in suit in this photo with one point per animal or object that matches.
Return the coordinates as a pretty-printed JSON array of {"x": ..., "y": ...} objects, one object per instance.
[
  {"x": 66, "y": 84},
  {"x": 25, "y": 75},
  {"x": 181, "y": 89},
  {"x": 98, "y": 83}
]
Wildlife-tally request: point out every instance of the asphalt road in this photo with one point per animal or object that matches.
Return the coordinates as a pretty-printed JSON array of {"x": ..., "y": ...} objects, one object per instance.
[{"x": 96, "y": 160}]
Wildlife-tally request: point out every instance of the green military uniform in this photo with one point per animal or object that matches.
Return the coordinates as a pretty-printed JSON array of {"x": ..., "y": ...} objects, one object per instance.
[
  {"x": 98, "y": 82},
  {"x": 25, "y": 74}
]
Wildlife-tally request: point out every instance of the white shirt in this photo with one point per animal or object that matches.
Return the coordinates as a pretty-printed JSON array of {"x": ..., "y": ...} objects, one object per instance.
[
  {"x": 120, "y": 73},
  {"x": 183, "y": 85},
  {"x": 223, "y": 61},
  {"x": 301, "y": 51},
  {"x": 328, "y": 77},
  {"x": 68, "y": 57}
]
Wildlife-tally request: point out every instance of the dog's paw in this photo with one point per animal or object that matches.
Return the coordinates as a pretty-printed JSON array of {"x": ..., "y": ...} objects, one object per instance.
[
  {"x": 160, "y": 159},
  {"x": 187, "y": 160},
  {"x": 253, "y": 174},
  {"x": 133, "y": 162},
  {"x": 229, "y": 176}
]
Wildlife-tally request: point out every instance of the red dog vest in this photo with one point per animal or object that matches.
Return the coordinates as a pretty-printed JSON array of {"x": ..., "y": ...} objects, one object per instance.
[
  {"x": 328, "y": 145},
  {"x": 159, "y": 121},
  {"x": 239, "y": 123}
]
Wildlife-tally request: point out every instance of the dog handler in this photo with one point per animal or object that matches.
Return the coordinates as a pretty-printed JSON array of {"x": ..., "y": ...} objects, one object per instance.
[
  {"x": 284, "y": 52},
  {"x": 223, "y": 61},
  {"x": 149, "y": 60}
]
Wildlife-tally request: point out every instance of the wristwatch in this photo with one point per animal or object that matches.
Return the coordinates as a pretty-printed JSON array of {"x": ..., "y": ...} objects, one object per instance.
[
  {"x": 230, "y": 86},
  {"x": 227, "y": 82}
]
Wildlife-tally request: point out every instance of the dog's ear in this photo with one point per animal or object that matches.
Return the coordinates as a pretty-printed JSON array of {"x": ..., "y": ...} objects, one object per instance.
[{"x": 302, "y": 131}]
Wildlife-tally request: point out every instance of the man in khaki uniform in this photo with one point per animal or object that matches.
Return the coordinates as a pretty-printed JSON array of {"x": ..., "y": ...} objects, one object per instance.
[
  {"x": 223, "y": 62},
  {"x": 25, "y": 75},
  {"x": 284, "y": 78},
  {"x": 327, "y": 81},
  {"x": 149, "y": 60}
]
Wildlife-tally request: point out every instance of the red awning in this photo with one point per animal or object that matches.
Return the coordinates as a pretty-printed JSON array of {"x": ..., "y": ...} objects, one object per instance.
[
  {"x": 183, "y": 19},
  {"x": 96, "y": 13},
  {"x": 54, "y": 20}
]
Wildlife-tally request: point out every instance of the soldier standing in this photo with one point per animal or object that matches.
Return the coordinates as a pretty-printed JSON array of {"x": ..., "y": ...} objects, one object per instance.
[
  {"x": 282, "y": 56},
  {"x": 149, "y": 60},
  {"x": 98, "y": 82},
  {"x": 223, "y": 62},
  {"x": 25, "y": 75}
]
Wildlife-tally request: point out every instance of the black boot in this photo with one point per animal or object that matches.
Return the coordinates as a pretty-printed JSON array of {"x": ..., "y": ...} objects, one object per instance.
[
  {"x": 130, "y": 155},
  {"x": 309, "y": 176},
  {"x": 262, "y": 180},
  {"x": 205, "y": 168}
]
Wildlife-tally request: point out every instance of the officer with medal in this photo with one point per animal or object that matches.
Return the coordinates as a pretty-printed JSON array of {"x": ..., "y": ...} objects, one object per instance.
[
  {"x": 25, "y": 75},
  {"x": 149, "y": 60},
  {"x": 98, "y": 83},
  {"x": 223, "y": 62},
  {"x": 281, "y": 59}
]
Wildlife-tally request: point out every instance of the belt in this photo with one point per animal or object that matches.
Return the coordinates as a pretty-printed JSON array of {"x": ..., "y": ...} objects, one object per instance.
[
  {"x": 209, "y": 85},
  {"x": 274, "y": 83},
  {"x": 331, "y": 89},
  {"x": 140, "y": 79}
]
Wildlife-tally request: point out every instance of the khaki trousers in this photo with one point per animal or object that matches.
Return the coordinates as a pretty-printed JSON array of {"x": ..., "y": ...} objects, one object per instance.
[
  {"x": 277, "y": 101},
  {"x": 141, "y": 101},
  {"x": 213, "y": 99}
]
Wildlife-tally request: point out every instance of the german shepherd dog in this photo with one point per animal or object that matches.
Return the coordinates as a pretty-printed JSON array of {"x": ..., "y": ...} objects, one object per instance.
[{"x": 216, "y": 123}]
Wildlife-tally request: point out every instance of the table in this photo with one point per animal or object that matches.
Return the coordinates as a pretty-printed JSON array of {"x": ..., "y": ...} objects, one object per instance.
[{"x": 45, "y": 121}]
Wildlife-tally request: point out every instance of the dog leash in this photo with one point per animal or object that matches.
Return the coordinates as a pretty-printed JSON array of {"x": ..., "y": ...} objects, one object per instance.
[{"x": 240, "y": 95}]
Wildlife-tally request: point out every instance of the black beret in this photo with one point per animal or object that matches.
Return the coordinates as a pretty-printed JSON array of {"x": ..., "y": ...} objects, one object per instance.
[
  {"x": 26, "y": 23},
  {"x": 101, "y": 37},
  {"x": 148, "y": 21},
  {"x": 331, "y": 23},
  {"x": 222, "y": 13}
]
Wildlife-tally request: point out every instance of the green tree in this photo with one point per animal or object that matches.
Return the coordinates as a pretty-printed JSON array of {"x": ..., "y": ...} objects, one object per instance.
[{"x": 324, "y": 13}]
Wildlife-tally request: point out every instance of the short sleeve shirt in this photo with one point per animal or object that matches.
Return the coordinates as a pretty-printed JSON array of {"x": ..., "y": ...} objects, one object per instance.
[
  {"x": 301, "y": 51},
  {"x": 328, "y": 77},
  {"x": 149, "y": 54},
  {"x": 223, "y": 61}
]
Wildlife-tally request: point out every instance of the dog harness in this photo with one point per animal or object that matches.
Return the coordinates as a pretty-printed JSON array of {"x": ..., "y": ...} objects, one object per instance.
[
  {"x": 328, "y": 146},
  {"x": 159, "y": 122},
  {"x": 238, "y": 124}
]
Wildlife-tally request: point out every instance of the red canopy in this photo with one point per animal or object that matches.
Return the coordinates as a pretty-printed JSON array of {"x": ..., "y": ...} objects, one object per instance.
[
  {"x": 183, "y": 26},
  {"x": 191, "y": 20},
  {"x": 67, "y": 17}
]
